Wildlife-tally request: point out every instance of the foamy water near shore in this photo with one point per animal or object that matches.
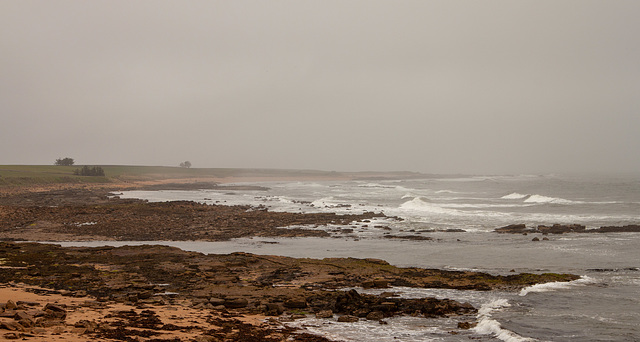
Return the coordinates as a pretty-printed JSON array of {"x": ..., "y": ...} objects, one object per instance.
[{"x": 607, "y": 262}]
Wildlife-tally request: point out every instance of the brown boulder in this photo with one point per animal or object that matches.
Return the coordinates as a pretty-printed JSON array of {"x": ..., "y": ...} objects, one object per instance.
[
  {"x": 236, "y": 303},
  {"x": 55, "y": 311},
  {"x": 375, "y": 316},
  {"x": 13, "y": 326},
  {"x": 376, "y": 284},
  {"x": 10, "y": 305},
  {"x": 512, "y": 229},
  {"x": 295, "y": 304},
  {"x": 348, "y": 319},
  {"x": 324, "y": 314},
  {"x": 562, "y": 228}
]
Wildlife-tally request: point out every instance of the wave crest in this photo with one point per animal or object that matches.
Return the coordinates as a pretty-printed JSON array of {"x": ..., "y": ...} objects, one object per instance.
[
  {"x": 538, "y": 199},
  {"x": 421, "y": 204},
  {"x": 515, "y": 195},
  {"x": 557, "y": 285},
  {"x": 489, "y": 326},
  {"x": 545, "y": 199}
]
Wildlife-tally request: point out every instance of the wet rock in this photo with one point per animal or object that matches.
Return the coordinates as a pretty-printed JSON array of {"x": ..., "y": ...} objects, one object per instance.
[
  {"x": 273, "y": 309},
  {"x": 535, "y": 239},
  {"x": 512, "y": 229},
  {"x": 324, "y": 314},
  {"x": 216, "y": 301},
  {"x": 348, "y": 319},
  {"x": 466, "y": 325},
  {"x": 375, "y": 316},
  {"x": 376, "y": 284},
  {"x": 387, "y": 306},
  {"x": 633, "y": 228},
  {"x": 452, "y": 230},
  {"x": 236, "y": 303},
  {"x": 295, "y": 304},
  {"x": 562, "y": 228}
]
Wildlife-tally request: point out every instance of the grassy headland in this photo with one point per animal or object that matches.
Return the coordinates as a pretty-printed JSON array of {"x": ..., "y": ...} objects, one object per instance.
[{"x": 21, "y": 176}]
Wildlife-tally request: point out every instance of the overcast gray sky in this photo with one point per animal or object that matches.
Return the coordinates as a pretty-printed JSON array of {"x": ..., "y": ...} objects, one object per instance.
[{"x": 431, "y": 86}]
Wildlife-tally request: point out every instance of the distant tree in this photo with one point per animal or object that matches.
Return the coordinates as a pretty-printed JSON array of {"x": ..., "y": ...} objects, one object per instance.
[
  {"x": 64, "y": 161},
  {"x": 89, "y": 171},
  {"x": 186, "y": 164}
]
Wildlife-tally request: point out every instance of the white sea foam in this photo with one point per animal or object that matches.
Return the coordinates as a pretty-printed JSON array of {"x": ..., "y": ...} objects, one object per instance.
[
  {"x": 558, "y": 285},
  {"x": 326, "y": 201},
  {"x": 80, "y": 224},
  {"x": 515, "y": 195},
  {"x": 420, "y": 205},
  {"x": 541, "y": 199},
  {"x": 447, "y": 192},
  {"x": 483, "y": 205},
  {"x": 546, "y": 199},
  {"x": 403, "y": 328},
  {"x": 375, "y": 185},
  {"x": 489, "y": 326}
]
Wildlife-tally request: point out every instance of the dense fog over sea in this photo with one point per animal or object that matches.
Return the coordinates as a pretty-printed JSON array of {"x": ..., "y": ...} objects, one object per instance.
[{"x": 459, "y": 214}]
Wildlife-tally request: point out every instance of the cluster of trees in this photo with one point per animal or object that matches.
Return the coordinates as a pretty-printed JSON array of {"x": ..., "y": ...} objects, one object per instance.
[
  {"x": 186, "y": 164},
  {"x": 89, "y": 171},
  {"x": 64, "y": 161}
]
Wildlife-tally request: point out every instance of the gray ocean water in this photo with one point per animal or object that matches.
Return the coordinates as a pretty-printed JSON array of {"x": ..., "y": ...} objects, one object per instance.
[{"x": 604, "y": 305}]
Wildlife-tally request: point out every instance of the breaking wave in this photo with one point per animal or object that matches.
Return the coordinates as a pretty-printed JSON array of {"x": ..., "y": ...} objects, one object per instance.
[
  {"x": 557, "y": 285},
  {"x": 545, "y": 199},
  {"x": 541, "y": 199},
  {"x": 422, "y": 205},
  {"x": 447, "y": 192},
  {"x": 514, "y": 195},
  {"x": 489, "y": 326}
]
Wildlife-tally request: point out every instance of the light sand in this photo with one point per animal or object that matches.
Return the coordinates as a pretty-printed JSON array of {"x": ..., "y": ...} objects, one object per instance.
[{"x": 86, "y": 308}]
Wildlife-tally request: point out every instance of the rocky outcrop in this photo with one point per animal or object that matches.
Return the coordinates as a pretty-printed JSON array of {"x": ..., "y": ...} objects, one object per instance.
[
  {"x": 561, "y": 229},
  {"x": 22, "y": 319},
  {"x": 353, "y": 304},
  {"x": 633, "y": 228},
  {"x": 514, "y": 229},
  {"x": 175, "y": 221},
  {"x": 565, "y": 228}
]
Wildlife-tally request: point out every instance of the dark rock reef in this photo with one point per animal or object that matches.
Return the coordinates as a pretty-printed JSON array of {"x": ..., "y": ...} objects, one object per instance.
[
  {"x": 59, "y": 216},
  {"x": 565, "y": 228}
]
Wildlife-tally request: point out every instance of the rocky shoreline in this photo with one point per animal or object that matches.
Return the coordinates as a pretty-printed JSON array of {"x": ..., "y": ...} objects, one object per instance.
[
  {"x": 565, "y": 228},
  {"x": 238, "y": 296},
  {"x": 89, "y": 215},
  {"x": 152, "y": 277}
]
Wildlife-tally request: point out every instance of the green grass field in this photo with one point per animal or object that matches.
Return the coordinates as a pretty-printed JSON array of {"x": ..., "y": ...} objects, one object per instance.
[{"x": 24, "y": 175}]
